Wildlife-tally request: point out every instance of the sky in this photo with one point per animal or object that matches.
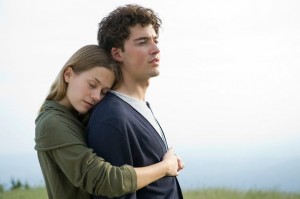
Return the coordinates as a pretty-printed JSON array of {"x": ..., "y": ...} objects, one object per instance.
[{"x": 229, "y": 83}]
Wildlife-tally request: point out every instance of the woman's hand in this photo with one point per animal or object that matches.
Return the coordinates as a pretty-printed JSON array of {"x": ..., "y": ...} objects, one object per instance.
[
  {"x": 173, "y": 162},
  {"x": 180, "y": 163}
]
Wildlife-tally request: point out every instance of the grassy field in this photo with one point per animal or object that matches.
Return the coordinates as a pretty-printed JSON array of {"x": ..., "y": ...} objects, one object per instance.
[
  {"x": 40, "y": 193},
  {"x": 236, "y": 194},
  {"x": 33, "y": 193}
]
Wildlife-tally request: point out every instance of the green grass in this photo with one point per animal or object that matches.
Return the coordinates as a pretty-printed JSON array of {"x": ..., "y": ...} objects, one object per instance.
[
  {"x": 219, "y": 193},
  {"x": 33, "y": 193},
  {"x": 207, "y": 193}
]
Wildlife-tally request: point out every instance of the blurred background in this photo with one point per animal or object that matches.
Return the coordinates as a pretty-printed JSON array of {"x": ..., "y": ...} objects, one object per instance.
[{"x": 227, "y": 97}]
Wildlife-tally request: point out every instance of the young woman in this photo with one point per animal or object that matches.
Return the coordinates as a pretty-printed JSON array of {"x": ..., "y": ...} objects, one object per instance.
[{"x": 70, "y": 168}]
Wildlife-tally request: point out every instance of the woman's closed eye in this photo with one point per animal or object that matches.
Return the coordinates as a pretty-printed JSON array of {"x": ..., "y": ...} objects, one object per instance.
[{"x": 93, "y": 85}]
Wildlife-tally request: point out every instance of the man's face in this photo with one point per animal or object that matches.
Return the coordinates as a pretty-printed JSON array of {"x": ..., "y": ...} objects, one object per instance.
[{"x": 140, "y": 58}]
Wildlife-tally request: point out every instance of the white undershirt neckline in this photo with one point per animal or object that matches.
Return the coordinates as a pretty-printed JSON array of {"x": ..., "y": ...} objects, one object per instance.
[{"x": 142, "y": 107}]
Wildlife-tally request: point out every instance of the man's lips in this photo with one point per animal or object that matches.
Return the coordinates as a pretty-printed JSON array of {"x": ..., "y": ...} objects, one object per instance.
[{"x": 154, "y": 60}]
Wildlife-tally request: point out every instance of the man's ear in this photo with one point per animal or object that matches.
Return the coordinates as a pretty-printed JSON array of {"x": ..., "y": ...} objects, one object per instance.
[
  {"x": 67, "y": 74},
  {"x": 117, "y": 54}
]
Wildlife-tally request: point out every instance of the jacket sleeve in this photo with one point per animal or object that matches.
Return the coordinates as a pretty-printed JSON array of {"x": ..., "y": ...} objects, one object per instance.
[
  {"x": 91, "y": 173},
  {"x": 111, "y": 143},
  {"x": 82, "y": 167}
]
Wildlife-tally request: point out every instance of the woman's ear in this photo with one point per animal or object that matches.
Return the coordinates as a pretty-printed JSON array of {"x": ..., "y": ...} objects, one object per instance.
[
  {"x": 67, "y": 74},
  {"x": 116, "y": 54}
]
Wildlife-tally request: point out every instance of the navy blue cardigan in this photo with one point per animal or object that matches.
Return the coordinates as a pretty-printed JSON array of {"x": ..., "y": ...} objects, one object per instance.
[{"x": 121, "y": 135}]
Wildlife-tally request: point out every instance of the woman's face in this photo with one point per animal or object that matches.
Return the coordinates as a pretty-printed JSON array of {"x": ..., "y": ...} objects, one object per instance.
[{"x": 87, "y": 88}]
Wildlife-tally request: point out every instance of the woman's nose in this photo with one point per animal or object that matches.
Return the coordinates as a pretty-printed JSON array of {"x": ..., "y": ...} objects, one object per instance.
[{"x": 96, "y": 97}]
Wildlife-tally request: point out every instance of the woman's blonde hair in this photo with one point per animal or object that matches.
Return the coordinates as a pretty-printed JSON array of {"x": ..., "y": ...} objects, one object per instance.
[{"x": 84, "y": 59}]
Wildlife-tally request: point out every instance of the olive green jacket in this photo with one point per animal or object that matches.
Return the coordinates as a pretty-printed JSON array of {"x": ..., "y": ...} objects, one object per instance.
[{"x": 70, "y": 169}]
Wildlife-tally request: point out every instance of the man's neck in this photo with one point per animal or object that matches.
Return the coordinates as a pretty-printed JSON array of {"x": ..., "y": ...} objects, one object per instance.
[{"x": 135, "y": 90}]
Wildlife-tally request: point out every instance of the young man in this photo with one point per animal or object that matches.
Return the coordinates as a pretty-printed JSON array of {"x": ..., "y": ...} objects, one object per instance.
[{"x": 122, "y": 128}]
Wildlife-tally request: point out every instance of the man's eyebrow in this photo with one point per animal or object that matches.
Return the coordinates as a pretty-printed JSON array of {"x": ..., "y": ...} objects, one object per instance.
[
  {"x": 145, "y": 38},
  {"x": 141, "y": 38}
]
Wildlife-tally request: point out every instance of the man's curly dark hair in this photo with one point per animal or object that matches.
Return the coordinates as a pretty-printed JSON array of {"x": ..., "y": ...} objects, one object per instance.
[{"x": 114, "y": 28}]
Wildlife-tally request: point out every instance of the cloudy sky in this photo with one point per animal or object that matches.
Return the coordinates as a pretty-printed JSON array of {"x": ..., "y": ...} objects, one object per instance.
[{"x": 230, "y": 70}]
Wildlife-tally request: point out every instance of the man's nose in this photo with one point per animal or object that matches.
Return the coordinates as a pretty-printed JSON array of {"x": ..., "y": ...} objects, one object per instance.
[{"x": 155, "y": 49}]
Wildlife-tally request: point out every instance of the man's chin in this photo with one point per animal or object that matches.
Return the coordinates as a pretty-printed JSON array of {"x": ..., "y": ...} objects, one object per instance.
[{"x": 156, "y": 74}]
